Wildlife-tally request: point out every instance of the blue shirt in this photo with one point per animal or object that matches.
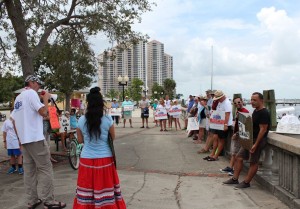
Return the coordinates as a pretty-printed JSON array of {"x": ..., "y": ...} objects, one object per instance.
[
  {"x": 191, "y": 103},
  {"x": 96, "y": 148},
  {"x": 113, "y": 105},
  {"x": 73, "y": 121}
]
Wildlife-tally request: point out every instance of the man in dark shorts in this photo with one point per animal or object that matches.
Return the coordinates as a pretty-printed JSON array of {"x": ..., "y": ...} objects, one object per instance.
[
  {"x": 261, "y": 124},
  {"x": 144, "y": 105}
]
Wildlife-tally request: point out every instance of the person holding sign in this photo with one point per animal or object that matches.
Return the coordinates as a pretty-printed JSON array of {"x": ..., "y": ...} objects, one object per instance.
[
  {"x": 127, "y": 108},
  {"x": 162, "y": 113},
  {"x": 221, "y": 119},
  {"x": 235, "y": 145},
  {"x": 175, "y": 113},
  {"x": 261, "y": 124}
]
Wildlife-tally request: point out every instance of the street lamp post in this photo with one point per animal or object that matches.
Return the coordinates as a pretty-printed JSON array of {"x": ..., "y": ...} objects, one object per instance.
[
  {"x": 123, "y": 81},
  {"x": 145, "y": 90}
]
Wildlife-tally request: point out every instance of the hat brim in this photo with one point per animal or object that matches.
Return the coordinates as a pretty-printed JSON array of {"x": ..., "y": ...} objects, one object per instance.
[{"x": 219, "y": 97}]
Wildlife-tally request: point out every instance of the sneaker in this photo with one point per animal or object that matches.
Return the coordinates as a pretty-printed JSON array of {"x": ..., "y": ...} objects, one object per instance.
[
  {"x": 21, "y": 171},
  {"x": 142, "y": 127},
  {"x": 230, "y": 173},
  {"x": 242, "y": 185},
  {"x": 226, "y": 170},
  {"x": 11, "y": 170},
  {"x": 231, "y": 181}
]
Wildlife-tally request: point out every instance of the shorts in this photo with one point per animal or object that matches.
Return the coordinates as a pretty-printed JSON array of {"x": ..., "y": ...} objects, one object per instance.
[
  {"x": 144, "y": 115},
  {"x": 14, "y": 152},
  {"x": 253, "y": 158},
  {"x": 223, "y": 134},
  {"x": 213, "y": 131},
  {"x": 235, "y": 146},
  {"x": 202, "y": 124}
]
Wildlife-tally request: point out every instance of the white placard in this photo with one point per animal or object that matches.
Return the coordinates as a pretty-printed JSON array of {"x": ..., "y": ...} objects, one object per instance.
[
  {"x": 115, "y": 111},
  {"x": 175, "y": 111},
  {"x": 161, "y": 114},
  {"x": 128, "y": 108},
  {"x": 64, "y": 124},
  {"x": 192, "y": 124},
  {"x": 217, "y": 120}
]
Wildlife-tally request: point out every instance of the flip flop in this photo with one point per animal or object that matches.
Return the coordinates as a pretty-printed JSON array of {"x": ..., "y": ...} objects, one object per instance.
[
  {"x": 212, "y": 159},
  {"x": 58, "y": 205},
  {"x": 35, "y": 205},
  {"x": 206, "y": 158}
]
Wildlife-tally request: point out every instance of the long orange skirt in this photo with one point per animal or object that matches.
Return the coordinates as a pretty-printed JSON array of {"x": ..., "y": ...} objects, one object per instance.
[{"x": 98, "y": 185}]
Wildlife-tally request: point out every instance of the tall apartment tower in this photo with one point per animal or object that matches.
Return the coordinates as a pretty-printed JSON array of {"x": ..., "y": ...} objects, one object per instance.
[
  {"x": 159, "y": 64},
  {"x": 130, "y": 62}
]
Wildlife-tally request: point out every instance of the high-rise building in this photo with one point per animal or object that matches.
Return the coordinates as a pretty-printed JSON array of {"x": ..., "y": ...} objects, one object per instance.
[{"x": 132, "y": 62}]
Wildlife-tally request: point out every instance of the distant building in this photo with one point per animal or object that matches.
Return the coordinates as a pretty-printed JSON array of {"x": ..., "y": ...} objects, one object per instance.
[{"x": 132, "y": 62}]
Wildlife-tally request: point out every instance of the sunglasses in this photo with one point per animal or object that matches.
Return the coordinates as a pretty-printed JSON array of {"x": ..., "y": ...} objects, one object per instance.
[{"x": 237, "y": 103}]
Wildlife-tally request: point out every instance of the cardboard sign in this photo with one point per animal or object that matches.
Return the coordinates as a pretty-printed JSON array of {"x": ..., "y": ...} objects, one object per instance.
[
  {"x": 115, "y": 112},
  {"x": 128, "y": 108},
  {"x": 175, "y": 111},
  {"x": 161, "y": 114},
  {"x": 54, "y": 122},
  {"x": 217, "y": 120},
  {"x": 192, "y": 124},
  {"x": 245, "y": 134},
  {"x": 64, "y": 124}
]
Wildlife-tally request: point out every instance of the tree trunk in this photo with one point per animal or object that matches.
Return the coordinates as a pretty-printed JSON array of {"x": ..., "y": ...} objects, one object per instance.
[
  {"x": 14, "y": 11},
  {"x": 68, "y": 99}
]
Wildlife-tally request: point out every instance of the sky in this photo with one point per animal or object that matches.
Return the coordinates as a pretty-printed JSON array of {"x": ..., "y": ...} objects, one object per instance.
[{"x": 248, "y": 46}]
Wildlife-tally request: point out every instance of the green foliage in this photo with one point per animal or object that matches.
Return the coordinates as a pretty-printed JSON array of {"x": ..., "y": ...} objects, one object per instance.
[
  {"x": 9, "y": 84},
  {"x": 112, "y": 94},
  {"x": 169, "y": 87},
  {"x": 157, "y": 91},
  {"x": 67, "y": 65},
  {"x": 36, "y": 23},
  {"x": 136, "y": 89}
]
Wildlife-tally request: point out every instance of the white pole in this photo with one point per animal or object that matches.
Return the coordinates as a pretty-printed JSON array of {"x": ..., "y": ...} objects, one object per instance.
[{"x": 212, "y": 67}]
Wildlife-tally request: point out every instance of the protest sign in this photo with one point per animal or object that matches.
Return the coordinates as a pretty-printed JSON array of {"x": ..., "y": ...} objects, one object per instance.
[
  {"x": 245, "y": 134},
  {"x": 128, "y": 108},
  {"x": 175, "y": 111},
  {"x": 64, "y": 124},
  {"x": 217, "y": 120},
  {"x": 54, "y": 122},
  {"x": 192, "y": 124},
  {"x": 115, "y": 112},
  {"x": 161, "y": 114}
]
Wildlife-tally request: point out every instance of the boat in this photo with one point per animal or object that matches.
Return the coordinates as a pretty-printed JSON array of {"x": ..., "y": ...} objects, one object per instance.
[{"x": 288, "y": 124}]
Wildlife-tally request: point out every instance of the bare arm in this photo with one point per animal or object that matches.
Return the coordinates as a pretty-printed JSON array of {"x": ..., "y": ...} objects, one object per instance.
[
  {"x": 227, "y": 114},
  {"x": 43, "y": 111},
  {"x": 4, "y": 139},
  {"x": 263, "y": 128},
  {"x": 79, "y": 135},
  {"x": 112, "y": 132}
]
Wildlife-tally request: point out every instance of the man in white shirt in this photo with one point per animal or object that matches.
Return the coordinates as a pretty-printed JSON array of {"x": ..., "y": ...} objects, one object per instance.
[
  {"x": 224, "y": 105},
  {"x": 144, "y": 105},
  {"x": 168, "y": 106},
  {"x": 28, "y": 118}
]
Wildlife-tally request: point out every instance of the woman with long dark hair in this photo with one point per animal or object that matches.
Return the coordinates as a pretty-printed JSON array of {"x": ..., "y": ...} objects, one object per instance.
[{"x": 98, "y": 182}]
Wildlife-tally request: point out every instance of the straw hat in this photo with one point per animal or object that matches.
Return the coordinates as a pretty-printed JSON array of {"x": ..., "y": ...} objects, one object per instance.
[{"x": 218, "y": 95}]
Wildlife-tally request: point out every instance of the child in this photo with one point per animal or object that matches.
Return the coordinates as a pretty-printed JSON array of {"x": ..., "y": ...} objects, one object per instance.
[{"x": 11, "y": 143}]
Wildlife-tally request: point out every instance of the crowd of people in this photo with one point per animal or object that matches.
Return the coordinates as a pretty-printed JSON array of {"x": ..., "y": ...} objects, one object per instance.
[{"x": 98, "y": 184}]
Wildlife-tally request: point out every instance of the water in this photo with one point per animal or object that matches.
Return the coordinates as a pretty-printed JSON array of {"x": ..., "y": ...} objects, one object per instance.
[{"x": 296, "y": 113}]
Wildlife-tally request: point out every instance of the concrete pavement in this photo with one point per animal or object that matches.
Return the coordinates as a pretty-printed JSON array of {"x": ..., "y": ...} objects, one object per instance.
[{"x": 157, "y": 170}]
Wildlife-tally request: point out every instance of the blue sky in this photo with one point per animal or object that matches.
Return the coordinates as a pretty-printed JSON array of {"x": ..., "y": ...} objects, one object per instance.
[{"x": 255, "y": 44}]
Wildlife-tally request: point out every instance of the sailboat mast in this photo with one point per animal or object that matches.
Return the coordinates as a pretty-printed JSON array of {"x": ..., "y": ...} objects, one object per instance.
[{"x": 212, "y": 67}]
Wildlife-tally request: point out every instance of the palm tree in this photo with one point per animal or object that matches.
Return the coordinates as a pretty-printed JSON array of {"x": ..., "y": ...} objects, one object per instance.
[{"x": 112, "y": 93}]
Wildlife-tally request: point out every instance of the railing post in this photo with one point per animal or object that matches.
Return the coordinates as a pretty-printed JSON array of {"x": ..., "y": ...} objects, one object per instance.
[{"x": 267, "y": 162}]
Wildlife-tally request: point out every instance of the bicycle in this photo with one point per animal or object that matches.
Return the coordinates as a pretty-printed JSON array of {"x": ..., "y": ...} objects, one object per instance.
[{"x": 75, "y": 149}]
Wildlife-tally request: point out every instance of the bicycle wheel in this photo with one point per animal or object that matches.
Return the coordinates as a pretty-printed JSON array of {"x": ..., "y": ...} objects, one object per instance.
[{"x": 73, "y": 155}]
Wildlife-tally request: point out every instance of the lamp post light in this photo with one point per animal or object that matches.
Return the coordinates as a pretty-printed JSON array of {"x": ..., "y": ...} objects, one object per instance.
[
  {"x": 123, "y": 81},
  {"x": 145, "y": 90}
]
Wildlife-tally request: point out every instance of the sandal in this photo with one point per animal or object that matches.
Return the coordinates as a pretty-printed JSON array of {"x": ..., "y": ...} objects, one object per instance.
[
  {"x": 165, "y": 130},
  {"x": 202, "y": 151},
  {"x": 57, "y": 205},
  {"x": 212, "y": 159},
  {"x": 206, "y": 158},
  {"x": 35, "y": 205},
  {"x": 161, "y": 130}
]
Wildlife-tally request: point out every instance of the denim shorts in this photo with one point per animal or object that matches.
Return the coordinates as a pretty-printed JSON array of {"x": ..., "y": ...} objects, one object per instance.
[{"x": 14, "y": 152}]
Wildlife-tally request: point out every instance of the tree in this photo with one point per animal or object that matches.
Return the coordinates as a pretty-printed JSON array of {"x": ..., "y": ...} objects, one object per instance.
[
  {"x": 112, "y": 93},
  {"x": 169, "y": 87},
  {"x": 8, "y": 84},
  {"x": 31, "y": 24},
  {"x": 157, "y": 90},
  {"x": 67, "y": 65},
  {"x": 136, "y": 89}
]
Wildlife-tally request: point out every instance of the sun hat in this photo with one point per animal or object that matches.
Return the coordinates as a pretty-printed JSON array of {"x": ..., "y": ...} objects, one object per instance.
[
  {"x": 203, "y": 98},
  {"x": 218, "y": 95},
  {"x": 33, "y": 78}
]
